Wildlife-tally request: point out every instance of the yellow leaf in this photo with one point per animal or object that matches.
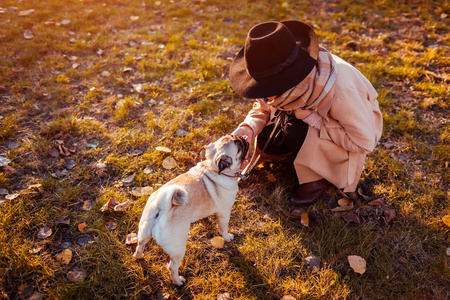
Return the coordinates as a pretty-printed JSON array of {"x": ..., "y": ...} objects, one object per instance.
[
  {"x": 169, "y": 163},
  {"x": 304, "y": 219},
  {"x": 65, "y": 257},
  {"x": 81, "y": 226},
  {"x": 446, "y": 220},
  {"x": 357, "y": 263},
  {"x": 217, "y": 242},
  {"x": 271, "y": 177},
  {"x": 344, "y": 201}
]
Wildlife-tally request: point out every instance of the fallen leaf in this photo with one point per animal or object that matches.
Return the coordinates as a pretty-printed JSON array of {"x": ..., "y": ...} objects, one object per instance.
[
  {"x": 288, "y": 297},
  {"x": 129, "y": 179},
  {"x": 447, "y": 252},
  {"x": 36, "y": 296},
  {"x": 343, "y": 208},
  {"x": 312, "y": 262},
  {"x": 360, "y": 192},
  {"x": 271, "y": 177},
  {"x": 81, "y": 226},
  {"x": 141, "y": 191},
  {"x": 77, "y": 275},
  {"x": 351, "y": 217},
  {"x": 357, "y": 263},
  {"x": 181, "y": 132},
  {"x": 379, "y": 201},
  {"x": 25, "y": 291},
  {"x": 63, "y": 220},
  {"x": 163, "y": 149},
  {"x": 36, "y": 249},
  {"x": 87, "y": 205},
  {"x": 169, "y": 163},
  {"x": 4, "y": 161},
  {"x": 298, "y": 212},
  {"x": 218, "y": 242},
  {"x": 345, "y": 202},
  {"x": 446, "y": 220},
  {"x": 304, "y": 219},
  {"x": 123, "y": 206},
  {"x": 69, "y": 164},
  {"x": 44, "y": 232},
  {"x": 131, "y": 239},
  {"x": 37, "y": 187},
  {"x": 28, "y": 35},
  {"x": 11, "y": 196},
  {"x": 223, "y": 296},
  {"x": 53, "y": 152},
  {"x": 9, "y": 170},
  {"x": 65, "y": 257},
  {"x": 84, "y": 240},
  {"x": 110, "y": 204},
  {"x": 66, "y": 245},
  {"x": 389, "y": 214},
  {"x": 25, "y": 13},
  {"x": 147, "y": 170}
]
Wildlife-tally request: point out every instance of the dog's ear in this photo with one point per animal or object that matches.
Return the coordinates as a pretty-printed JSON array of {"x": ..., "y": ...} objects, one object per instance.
[
  {"x": 210, "y": 151},
  {"x": 223, "y": 161}
]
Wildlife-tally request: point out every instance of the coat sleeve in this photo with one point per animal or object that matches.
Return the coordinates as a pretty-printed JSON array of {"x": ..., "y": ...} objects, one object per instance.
[
  {"x": 258, "y": 116},
  {"x": 354, "y": 123}
]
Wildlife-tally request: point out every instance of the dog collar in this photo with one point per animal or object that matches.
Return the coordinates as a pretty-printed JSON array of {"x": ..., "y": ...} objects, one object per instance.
[{"x": 238, "y": 175}]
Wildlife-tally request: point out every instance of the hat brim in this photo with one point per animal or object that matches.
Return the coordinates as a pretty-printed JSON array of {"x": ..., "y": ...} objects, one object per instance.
[{"x": 247, "y": 86}]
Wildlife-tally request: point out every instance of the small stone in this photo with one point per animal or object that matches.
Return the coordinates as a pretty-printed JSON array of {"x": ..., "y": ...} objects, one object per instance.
[
  {"x": 448, "y": 251},
  {"x": 106, "y": 74}
]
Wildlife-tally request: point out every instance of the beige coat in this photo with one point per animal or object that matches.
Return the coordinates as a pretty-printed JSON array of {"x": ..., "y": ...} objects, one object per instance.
[{"x": 350, "y": 131}]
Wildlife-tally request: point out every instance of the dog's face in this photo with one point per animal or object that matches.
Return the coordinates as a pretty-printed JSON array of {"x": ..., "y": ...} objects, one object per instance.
[{"x": 228, "y": 153}]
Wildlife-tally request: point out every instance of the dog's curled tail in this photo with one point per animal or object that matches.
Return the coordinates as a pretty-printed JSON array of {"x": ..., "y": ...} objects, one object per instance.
[{"x": 158, "y": 203}]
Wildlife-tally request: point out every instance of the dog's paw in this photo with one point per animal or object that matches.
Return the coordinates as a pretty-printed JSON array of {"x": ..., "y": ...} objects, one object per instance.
[
  {"x": 138, "y": 255},
  {"x": 180, "y": 281},
  {"x": 228, "y": 237}
]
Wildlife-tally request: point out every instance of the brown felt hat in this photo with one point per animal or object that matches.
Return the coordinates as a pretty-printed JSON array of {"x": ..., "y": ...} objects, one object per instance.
[{"x": 276, "y": 57}]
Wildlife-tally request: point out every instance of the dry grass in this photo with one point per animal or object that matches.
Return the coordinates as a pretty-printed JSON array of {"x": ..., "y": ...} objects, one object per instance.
[{"x": 122, "y": 77}]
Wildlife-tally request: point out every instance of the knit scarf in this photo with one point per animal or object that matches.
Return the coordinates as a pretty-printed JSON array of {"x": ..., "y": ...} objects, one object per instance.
[{"x": 310, "y": 91}]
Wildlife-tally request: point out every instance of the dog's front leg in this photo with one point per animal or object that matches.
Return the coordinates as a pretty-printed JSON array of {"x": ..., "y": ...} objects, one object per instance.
[{"x": 223, "y": 219}]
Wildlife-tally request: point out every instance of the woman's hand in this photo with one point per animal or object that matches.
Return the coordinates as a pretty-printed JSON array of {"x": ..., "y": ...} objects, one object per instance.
[{"x": 245, "y": 131}]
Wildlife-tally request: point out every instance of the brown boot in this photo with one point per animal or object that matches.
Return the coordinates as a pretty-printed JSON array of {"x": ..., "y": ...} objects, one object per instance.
[{"x": 308, "y": 193}]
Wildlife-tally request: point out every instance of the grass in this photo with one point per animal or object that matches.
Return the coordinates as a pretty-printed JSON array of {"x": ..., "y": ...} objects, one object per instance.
[{"x": 167, "y": 69}]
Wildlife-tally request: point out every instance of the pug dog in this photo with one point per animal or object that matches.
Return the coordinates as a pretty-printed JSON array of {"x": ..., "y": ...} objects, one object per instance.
[{"x": 208, "y": 188}]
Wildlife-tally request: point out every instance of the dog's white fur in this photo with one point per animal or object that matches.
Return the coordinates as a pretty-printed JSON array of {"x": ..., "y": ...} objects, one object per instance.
[{"x": 202, "y": 191}]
